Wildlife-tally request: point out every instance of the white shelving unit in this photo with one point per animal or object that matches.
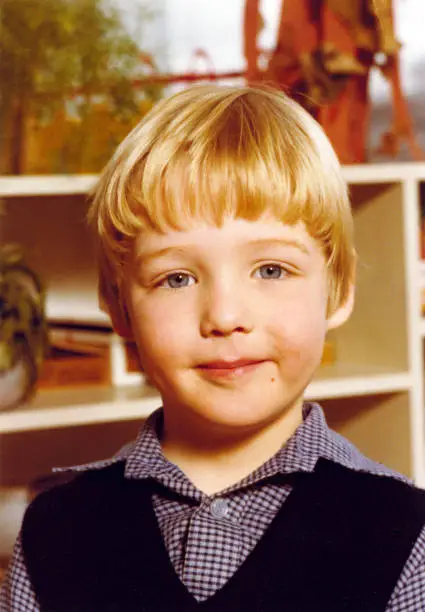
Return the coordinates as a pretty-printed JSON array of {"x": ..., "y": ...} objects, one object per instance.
[
  {"x": 88, "y": 405},
  {"x": 373, "y": 394}
]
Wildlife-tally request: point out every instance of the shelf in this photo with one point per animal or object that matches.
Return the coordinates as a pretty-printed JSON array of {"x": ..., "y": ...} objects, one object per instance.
[
  {"x": 76, "y": 310},
  {"x": 81, "y": 406},
  {"x": 343, "y": 382},
  {"x": 46, "y": 185},
  {"x": 28, "y": 185},
  {"x": 358, "y": 174},
  {"x": 84, "y": 406}
]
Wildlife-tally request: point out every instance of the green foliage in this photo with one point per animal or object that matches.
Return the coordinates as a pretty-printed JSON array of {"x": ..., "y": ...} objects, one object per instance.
[{"x": 52, "y": 49}]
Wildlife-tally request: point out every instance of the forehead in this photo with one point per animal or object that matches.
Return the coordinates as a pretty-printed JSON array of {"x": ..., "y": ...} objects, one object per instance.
[{"x": 233, "y": 234}]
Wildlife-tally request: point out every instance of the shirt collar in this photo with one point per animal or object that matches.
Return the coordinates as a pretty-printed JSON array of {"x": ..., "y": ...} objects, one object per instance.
[
  {"x": 297, "y": 454},
  {"x": 312, "y": 440}
]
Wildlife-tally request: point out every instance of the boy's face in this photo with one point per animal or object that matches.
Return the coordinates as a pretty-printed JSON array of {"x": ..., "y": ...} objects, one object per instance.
[{"x": 230, "y": 322}]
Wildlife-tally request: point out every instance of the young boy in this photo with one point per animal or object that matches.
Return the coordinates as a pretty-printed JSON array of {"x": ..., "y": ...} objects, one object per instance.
[{"x": 226, "y": 251}]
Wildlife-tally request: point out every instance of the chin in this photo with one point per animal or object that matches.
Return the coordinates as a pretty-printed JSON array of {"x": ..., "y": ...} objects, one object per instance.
[
  {"x": 239, "y": 416},
  {"x": 238, "y": 407}
]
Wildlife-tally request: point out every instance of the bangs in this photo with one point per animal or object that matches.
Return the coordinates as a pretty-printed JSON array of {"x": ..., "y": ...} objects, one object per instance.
[{"x": 228, "y": 153}]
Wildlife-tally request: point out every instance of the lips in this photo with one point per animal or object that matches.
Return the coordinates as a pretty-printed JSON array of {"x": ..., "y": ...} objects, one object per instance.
[
  {"x": 228, "y": 364},
  {"x": 229, "y": 371}
]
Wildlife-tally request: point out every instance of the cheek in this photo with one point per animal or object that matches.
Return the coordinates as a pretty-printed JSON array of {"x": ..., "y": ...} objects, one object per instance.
[
  {"x": 160, "y": 337},
  {"x": 299, "y": 332}
]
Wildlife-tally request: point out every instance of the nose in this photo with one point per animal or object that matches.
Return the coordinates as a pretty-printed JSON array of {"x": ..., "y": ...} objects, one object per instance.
[{"x": 226, "y": 310}]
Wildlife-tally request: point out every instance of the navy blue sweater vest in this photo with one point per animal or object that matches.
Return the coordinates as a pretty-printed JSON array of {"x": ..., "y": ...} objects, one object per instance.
[{"x": 338, "y": 544}]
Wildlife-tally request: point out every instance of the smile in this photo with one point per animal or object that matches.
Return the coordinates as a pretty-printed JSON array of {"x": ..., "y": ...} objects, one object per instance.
[{"x": 228, "y": 369}]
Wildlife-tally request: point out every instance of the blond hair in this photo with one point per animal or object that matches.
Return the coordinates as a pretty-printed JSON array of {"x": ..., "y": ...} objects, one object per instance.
[{"x": 212, "y": 151}]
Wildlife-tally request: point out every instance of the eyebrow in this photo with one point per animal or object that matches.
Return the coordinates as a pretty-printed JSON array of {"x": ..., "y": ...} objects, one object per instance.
[
  {"x": 287, "y": 242},
  {"x": 260, "y": 242},
  {"x": 158, "y": 253}
]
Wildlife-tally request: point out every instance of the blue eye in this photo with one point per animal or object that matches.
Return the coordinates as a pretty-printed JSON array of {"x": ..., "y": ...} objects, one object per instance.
[
  {"x": 273, "y": 271},
  {"x": 177, "y": 280}
]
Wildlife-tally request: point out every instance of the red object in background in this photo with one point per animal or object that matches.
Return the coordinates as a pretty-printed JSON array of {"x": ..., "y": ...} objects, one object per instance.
[
  {"x": 201, "y": 63},
  {"x": 323, "y": 57}
]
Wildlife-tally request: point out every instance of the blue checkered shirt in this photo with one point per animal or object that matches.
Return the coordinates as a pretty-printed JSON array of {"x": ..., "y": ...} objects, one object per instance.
[{"x": 209, "y": 537}]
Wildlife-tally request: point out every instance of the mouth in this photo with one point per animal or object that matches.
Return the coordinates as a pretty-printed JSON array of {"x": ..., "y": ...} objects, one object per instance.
[{"x": 229, "y": 369}]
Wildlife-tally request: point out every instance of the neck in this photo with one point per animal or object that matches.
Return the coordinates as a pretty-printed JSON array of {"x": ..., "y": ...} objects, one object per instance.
[{"x": 214, "y": 458}]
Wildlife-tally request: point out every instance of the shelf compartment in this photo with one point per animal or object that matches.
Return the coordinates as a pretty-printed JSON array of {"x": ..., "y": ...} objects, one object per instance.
[
  {"x": 30, "y": 455},
  {"x": 379, "y": 425},
  {"x": 58, "y": 244},
  {"x": 377, "y": 330}
]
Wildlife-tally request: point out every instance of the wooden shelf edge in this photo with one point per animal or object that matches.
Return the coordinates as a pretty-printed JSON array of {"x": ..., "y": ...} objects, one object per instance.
[
  {"x": 72, "y": 416},
  {"x": 384, "y": 172},
  {"x": 61, "y": 184},
  {"x": 359, "y": 385},
  {"x": 133, "y": 404},
  {"x": 15, "y": 186}
]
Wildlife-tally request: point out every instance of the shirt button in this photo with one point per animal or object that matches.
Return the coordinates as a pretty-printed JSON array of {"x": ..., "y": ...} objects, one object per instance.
[{"x": 219, "y": 508}]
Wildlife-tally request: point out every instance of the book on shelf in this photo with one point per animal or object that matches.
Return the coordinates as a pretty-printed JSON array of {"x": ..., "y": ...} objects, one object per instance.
[{"x": 83, "y": 355}]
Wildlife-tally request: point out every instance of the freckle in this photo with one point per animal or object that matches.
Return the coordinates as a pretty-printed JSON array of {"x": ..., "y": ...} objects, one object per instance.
[{"x": 272, "y": 379}]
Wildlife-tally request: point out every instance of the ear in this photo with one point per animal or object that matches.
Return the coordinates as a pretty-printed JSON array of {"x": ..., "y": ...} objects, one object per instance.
[{"x": 343, "y": 312}]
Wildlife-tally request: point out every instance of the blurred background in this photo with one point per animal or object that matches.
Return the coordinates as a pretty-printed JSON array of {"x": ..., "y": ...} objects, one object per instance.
[{"x": 75, "y": 77}]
